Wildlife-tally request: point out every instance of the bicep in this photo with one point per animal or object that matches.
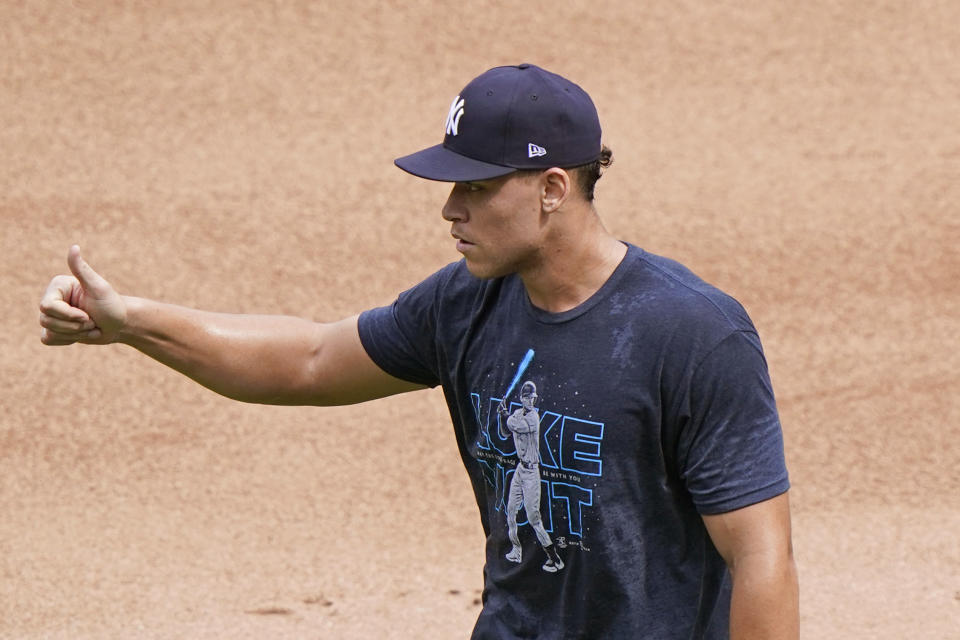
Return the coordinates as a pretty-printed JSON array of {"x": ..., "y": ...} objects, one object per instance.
[
  {"x": 755, "y": 543},
  {"x": 343, "y": 373},
  {"x": 759, "y": 530}
]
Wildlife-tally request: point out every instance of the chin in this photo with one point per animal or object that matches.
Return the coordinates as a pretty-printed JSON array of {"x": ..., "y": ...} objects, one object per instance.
[{"x": 487, "y": 271}]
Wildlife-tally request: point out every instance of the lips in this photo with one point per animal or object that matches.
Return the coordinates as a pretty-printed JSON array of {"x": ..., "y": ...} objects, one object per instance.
[{"x": 462, "y": 243}]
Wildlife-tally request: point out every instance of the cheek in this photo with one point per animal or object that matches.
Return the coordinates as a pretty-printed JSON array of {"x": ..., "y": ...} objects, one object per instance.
[
  {"x": 520, "y": 223},
  {"x": 526, "y": 232}
]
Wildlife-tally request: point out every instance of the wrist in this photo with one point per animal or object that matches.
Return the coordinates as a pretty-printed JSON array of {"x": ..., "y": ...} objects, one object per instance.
[{"x": 131, "y": 320}]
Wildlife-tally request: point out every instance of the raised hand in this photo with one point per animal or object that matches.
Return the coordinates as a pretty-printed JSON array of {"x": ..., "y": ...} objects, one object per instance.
[{"x": 82, "y": 307}]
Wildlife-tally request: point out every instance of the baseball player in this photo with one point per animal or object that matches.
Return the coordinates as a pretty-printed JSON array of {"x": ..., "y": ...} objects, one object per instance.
[
  {"x": 664, "y": 442},
  {"x": 524, "y": 424}
]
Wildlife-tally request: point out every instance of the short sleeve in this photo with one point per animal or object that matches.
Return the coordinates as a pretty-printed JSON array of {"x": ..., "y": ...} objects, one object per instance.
[
  {"x": 401, "y": 337},
  {"x": 731, "y": 445}
]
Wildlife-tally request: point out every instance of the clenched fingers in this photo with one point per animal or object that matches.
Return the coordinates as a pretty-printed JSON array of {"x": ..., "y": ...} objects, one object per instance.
[
  {"x": 56, "y": 300},
  {"x": 66, "y": 327},
  {"x": 54, "y": 339}
]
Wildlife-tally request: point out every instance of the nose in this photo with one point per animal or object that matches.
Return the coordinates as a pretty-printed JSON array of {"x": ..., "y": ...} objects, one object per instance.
[{"x": 453, "y": 210}]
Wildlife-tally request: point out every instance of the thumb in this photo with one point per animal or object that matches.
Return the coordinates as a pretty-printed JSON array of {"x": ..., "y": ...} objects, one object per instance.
[{"x": 90, "y": 279}]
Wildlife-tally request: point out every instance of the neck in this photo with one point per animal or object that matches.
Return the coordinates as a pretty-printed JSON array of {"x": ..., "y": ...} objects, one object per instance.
[{"x": 573, "y": 265}]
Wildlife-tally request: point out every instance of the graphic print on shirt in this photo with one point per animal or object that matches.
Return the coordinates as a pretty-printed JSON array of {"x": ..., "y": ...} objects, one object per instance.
[{"x": 541, "y": 462}]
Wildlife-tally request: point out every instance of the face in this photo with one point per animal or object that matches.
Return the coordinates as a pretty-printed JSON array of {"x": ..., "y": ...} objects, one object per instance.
[
  {"x": 498, "y": 224},
  {"x": 528, "y": 401}
]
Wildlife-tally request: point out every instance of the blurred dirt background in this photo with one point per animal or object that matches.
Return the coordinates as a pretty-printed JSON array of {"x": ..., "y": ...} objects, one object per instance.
[{"x": 237, "y": 156}]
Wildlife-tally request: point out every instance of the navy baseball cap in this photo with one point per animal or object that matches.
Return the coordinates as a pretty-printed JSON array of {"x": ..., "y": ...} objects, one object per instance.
[{"x": 511, "y": 118}]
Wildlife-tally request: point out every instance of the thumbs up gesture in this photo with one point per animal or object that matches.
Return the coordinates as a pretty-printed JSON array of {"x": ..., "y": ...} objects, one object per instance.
[{"x": 81, "y": 307}]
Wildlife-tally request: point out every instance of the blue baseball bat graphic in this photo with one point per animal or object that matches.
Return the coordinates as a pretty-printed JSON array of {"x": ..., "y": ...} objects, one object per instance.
[{"x": 520, "y": 369}]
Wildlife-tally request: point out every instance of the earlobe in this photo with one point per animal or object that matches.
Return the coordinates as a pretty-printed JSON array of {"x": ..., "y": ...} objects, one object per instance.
[{"x": 554, "y": 189}]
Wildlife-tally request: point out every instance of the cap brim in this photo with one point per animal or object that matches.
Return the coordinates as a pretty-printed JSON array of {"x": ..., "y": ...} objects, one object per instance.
[{"x": 439, "y": 163}]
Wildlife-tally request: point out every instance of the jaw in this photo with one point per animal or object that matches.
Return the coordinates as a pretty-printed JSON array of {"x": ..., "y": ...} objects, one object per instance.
[
  {"x": 486, "y": 267},
  {"x": 485, "y": 271},
  {"x": 511, "y": 249}
]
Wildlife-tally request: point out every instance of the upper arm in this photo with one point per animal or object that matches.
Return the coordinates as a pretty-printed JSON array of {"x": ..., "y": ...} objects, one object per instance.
[
  {"x": 730, "y": 445},
  {"x": 759, "y": 530},
  {"x": 755, "y": 542},
  {"x": 343, "y": 373}
]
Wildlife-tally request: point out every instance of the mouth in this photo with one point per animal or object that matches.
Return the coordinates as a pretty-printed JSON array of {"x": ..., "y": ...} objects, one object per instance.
[{"x": 462, "y": 245}]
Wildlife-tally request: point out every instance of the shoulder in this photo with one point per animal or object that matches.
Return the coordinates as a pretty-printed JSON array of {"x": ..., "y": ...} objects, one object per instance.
[
  {"x": 449, "y": 288},
  {"x": 662, "y": 309},
  {"x": 682, "y": 296},
  {"x": 451, "y": 275}
]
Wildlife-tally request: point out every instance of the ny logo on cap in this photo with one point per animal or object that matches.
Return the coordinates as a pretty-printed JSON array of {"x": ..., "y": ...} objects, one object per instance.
[
  {"x": 534, "y": 150},
  {"x": 454, "y": 115}
]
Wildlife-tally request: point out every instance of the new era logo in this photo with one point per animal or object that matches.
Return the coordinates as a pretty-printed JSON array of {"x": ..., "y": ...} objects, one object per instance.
[{"x": 534, "y": 150}]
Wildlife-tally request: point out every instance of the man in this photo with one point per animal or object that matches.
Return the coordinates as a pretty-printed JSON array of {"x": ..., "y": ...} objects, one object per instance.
[
  {"x": 661, "y": 443},
  {"x": 524, "y": 424}
]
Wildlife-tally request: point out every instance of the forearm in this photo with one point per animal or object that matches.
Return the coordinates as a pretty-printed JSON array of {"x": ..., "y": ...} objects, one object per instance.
[
  {"x": 765, "y": 600},
  {"x": 264, "y": 359}
]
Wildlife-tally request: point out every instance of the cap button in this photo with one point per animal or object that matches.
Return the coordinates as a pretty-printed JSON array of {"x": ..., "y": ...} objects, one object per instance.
[{"x": 525, "y": 65}]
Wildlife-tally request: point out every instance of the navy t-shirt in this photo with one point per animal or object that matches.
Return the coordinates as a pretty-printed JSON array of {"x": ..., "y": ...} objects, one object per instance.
[{"x": 655, "y": 407}]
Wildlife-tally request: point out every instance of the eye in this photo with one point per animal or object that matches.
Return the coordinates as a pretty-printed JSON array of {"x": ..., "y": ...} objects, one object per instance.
[{"x": 473, "y": 186}]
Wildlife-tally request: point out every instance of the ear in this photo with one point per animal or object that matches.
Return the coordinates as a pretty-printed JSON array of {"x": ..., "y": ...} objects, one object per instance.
[{"x": 555, "y": 188}]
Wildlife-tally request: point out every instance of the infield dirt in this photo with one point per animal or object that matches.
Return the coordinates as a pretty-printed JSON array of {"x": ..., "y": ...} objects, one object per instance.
[{"x": 237, "y": 156}]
